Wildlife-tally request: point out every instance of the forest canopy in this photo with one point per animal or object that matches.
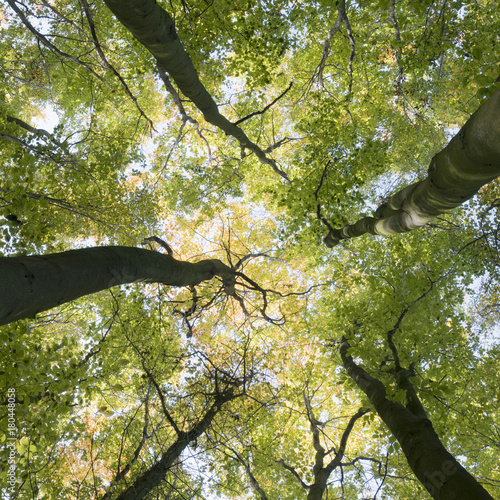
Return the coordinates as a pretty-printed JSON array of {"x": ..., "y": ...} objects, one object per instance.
[{"x": 249, "y": 249}]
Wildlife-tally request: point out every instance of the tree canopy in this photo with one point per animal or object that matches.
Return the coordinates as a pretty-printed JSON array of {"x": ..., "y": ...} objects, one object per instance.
[{"x": 188, "y": 310}]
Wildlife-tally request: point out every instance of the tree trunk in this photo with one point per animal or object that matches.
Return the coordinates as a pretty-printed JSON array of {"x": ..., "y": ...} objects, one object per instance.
[
  {"x": 153, "y": 27},
  {"x": 440, "y": 473},
  {"x": 153, "y": 476},
  {"x": 469, "y": 161},
  {"x": 32, "y": 284},
  {"x": 318, "y": 488}
]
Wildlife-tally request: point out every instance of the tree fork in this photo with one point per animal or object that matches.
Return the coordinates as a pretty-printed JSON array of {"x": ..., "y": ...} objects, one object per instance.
[
  {"x": 31, "y": 284},
  {"x": 438, "y": 470}
]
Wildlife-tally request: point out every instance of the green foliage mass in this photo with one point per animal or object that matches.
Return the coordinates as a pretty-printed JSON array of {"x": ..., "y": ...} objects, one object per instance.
[{"x": 105, "y": 385}]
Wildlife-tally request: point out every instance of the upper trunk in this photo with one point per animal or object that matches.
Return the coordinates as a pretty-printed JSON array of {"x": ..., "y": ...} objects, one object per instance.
[
  {"x": 153, "y": 27},
  {"x": 469, "y": 161},
  {"x": 31, "y": 284},
  {"x": 440, "y": 473}
]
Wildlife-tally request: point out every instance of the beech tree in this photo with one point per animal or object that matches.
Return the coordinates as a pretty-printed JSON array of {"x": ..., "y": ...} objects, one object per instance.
[
  {"x": 37, "y": 283},
  {"x": 244, "y": 357},
  {"x": 441, "y": 474},
  {"x": 456, "y": 173}
]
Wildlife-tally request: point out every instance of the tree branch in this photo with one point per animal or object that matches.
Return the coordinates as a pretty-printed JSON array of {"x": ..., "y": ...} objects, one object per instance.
[
  {"x": 98, "y": 48},
  {"x": 151, "y": 478},
  {"x": 154, "y": 28},
  {"x": 455, "y": 174},
  {"x": 294, "y": 472},
  {"x": 255, "y": 113},
  {"x": 46, "y": 42},
  {"x": 31, "y": 284}
]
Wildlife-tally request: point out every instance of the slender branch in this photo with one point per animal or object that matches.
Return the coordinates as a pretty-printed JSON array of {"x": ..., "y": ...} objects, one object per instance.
[
  {"x": 413, "y": 402},
  {"x": 184, "y": 116},
  {"x": 290, "y": 469},
  {"x": 98, "y": 48},
  {"x": 280, "y": 143},
  {"x": 343, "y": 441},
  {"x": 77, "y": 165},
  {"x": 253, "y": 480},
  {"x": 319, "y": 214},
  {"x": 120, "y": 475},
  {"x": 46, "y": 42},
  {"x": 33, "y": 130},
  {"x": 251, "y": 256},
  {"x": 400, "y": 77},
  {"x": 255, "y": 113},
  {"x": 341, "y": 14},
  {"x": 350, "y": 37},
  {"x": 64, "y": 205},
  {"x": 160, "y": 242},
  {"x": 162, "y": 399}
]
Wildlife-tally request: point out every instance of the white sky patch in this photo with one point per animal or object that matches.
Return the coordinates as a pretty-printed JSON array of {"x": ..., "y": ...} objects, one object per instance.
[
  {"x": 48, "y": 121},
  {"x": 450, "y": 132}
]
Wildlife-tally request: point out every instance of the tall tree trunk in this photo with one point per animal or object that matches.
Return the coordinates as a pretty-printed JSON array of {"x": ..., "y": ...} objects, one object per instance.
[
  {"x": 153, "y": 476},
  {"x": 153, "y": 27},
  {"x": 469, "y": 161},
  {"x": 31, "y": 284},
  {"x": 440, "y": 473}
]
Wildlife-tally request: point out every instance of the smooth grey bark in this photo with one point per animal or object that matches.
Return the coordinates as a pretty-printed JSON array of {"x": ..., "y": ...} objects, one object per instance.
[
  {"x": 468, "y": 162},
  {"x": 440, "y": 473},
  {"x": 31, "y": 284},
  {"x": 153, "y": 27}
]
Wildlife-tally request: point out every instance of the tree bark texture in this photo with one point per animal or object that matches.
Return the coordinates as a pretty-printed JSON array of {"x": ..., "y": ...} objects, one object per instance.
[
  {"x": 31, "y": 284},
  {"x": 469, "y": 161},
  {"x": 440, "y": 473}
]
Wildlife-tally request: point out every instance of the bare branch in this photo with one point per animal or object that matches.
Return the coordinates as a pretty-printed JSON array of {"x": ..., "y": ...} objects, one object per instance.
[
  {"x": 241, "y": 120},
  {"x": 161, "y": 242},
  {"x": 46, "y": 42}
]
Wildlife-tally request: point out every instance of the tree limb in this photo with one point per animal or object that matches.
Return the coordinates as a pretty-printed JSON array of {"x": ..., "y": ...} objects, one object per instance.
[
  {"x": 46, "y": 42},
  {"x": 98, "y": 48},
  {"x": 153, "y": 27},
  {"x": 456, "y": 173},
  {"x": 255, "y": 113}
]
